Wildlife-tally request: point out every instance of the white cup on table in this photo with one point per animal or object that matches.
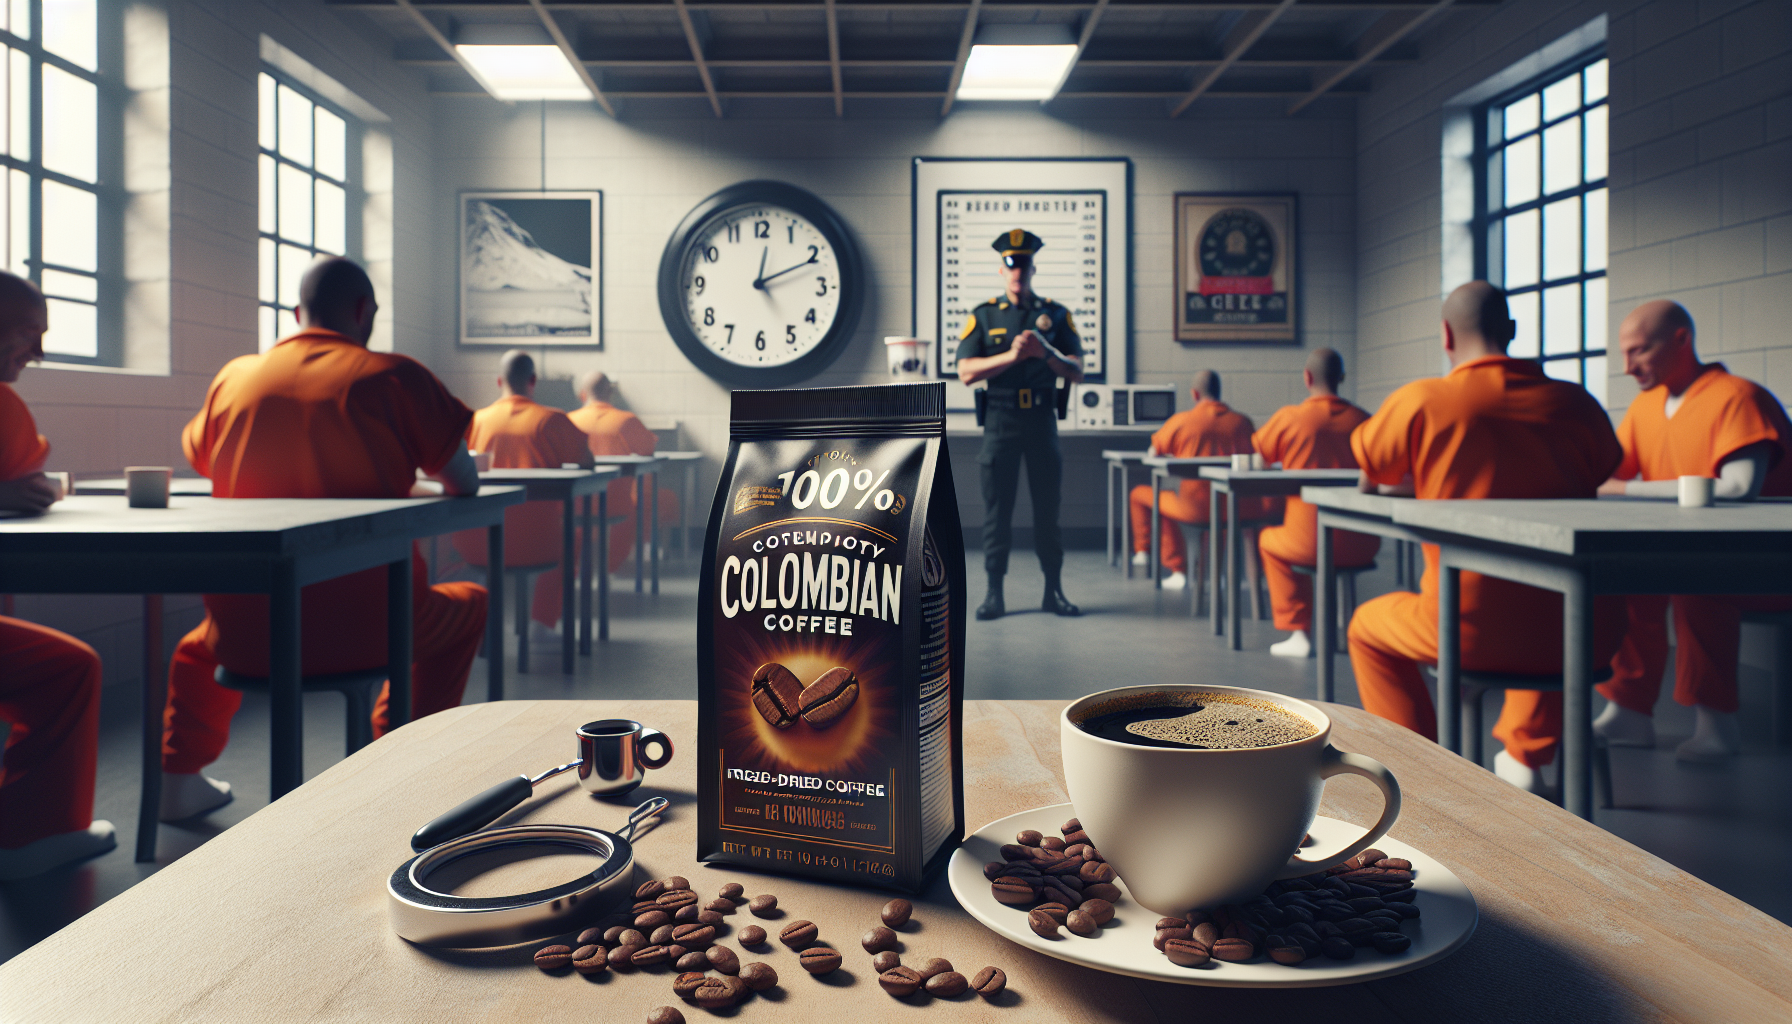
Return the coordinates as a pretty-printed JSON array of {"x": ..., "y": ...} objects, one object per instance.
[
  {"x": 147, "y": 486},
  {"x": 482, "y": 461},
  {"x": 1241, "y": 463},
  {"x": 62, "y": 483},
  {"x": 1695, "y": 491},
  {"x": 1257, "y": 461}
]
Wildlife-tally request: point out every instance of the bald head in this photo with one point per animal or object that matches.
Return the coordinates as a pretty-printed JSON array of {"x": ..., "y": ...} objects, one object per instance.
[
  {"x": 1476, "y": 322},
  {"x": 516, "y": 372},
  {"x": 1656, "y": 340},
  {"x": 596, "y": 387},
  {"x": 23, "y": 321},
  {"x": 1206, "y": 386},
  {"x": 335, "y": 294},
  {"x": 1324, "y": 370}
]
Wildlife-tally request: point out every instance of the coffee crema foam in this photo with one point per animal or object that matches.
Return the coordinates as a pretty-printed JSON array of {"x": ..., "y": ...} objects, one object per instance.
[{"x": 1217, "y": 721}]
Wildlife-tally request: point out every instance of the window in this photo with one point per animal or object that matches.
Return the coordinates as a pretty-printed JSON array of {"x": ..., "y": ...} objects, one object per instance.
[
  {"x": 1542, "y": 186},
  {"x": 308, "y": 169}
]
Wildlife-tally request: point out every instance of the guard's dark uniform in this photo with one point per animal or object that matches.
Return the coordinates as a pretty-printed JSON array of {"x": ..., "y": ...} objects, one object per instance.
[{"x": 1021, "y": 423}]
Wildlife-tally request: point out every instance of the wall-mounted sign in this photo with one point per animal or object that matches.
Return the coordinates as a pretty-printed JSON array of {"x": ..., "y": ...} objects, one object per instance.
[
  {"x": 1236, "y": 268},
  {"x": 530, "y": 269}
]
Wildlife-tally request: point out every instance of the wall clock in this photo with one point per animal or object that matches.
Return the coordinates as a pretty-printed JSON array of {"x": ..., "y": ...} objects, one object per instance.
[{"x": 761, "y": 285}]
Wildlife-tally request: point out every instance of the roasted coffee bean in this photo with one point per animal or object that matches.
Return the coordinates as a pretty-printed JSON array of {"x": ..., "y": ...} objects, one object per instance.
[
  {"x": 550, "y": 958},
  {"x": 649, "y": 891},
  {"x": 1015, "y": 892},
  {"x": 590, "y": 959},
  {"x": 758, "y": 976},
  {"x": 752, "y": 935},
  {"x": 1043, "y": 924},
  {"x": 1068, "y": 872},
  {"x": 1022, "y": 869},
  {"x": 1081, "y": 923},
  {"x": 1060, "y": 894},
  {"x": 676, "y": 882},
  {"x": 1296, "y": 885},
  {"x": 684, "y": 914},
  {"x": 1028, "y": 837},
  {"x": 900, "y": 981},
  {"x": 1288, "y": 955},
  {"x": 612, "y": 934},
  {"x": 936, "y": 965},
  {"x": 1073, "y": 825},
  {"x": 1015, "y": 851},
  {"x": 1392, "y": 942},
  {"x": 661, "y": 936},
  {"x": 1073, "y": 838},
  {"x": 1206, "y": 932},
  {"x": 1102, "y": 891},
  {"x": 1407, "y": 911},
  {"x": 721, "y": 906},
  {"x": 1372, "y": 876},
  {"x": 1395, "y": 863},
  {"x": 995, "y": 869},
  {"x": 798, "y": 934},
  {"x": 1405, "y": 895},
  {"x": 692, "y": 961},
  {"x": 1355, "y": 926},
  {"x": 1083, "y": 850},
  {"x": 947, "y": 985},
  {"x": 677, "y": 952},
  {"x": 1043, "y": 859},
  {"x": 819, "y": 960},
  {"x": 1167, "y": 935},
  {"x": 672, "y": 899},
  {"x": 631, "y": 937},
  {"x": 761, "y": 906},
  {"x": 897, "y": 912},
  {"x": 622, "y": 956},
  {"x": 989, "y": 982},
  {"x": 1234, "y": 950},
  {"x": 1387, "y": 918},
  {"x": 829, "y": 697},
  {"x": 1333, "y": 912},
  {"x": 1338, "y": 947},
  {"x": 717, "y": 993},
  {"x": 1095, "y": 871},
  {"x": 731, "y": 891},
  {"x": 685, "y": 985},
  {"x": 722, "y": 959},
  {"x": 1101, "y": 910},
  {"x": 588, "y": 937},
  {"x": 665, "y": 1015},
  {"x": 693, "y": 936},
  {"x": 1058, "y": 911},
  {"x": 1364, "y": 904},
  {"x": 1053, "y": 843},
  {"x": 1326, "y": 929},
  {"x": 1362, "y": 890},
  {"x": 878, "y": 940},
  {"x": 1171, "y": 922},
  {"x": 1187, "y": 952},
  {"x": 886, "y": 960},
  {"x": 1369, "y": 856},
  {"x": 1296, "y": 912},
  {"x": 777, "y": 695},
  {"x": 1303, "y": 932},
  {"x": 650, "y": 956},
  {"x": 709, "y": 917}
]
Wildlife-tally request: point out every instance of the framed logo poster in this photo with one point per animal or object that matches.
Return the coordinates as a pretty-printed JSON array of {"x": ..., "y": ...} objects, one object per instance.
[
  {"x": 1236, "y": 268},
  {"x": 530, "y": 268}
]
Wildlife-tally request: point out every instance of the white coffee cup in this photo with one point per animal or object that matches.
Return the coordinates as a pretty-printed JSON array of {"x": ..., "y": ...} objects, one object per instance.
[
  {"x": 147, "y": 486},
  {"x": 908, "y": 357},
  {"x": 1189, "y": 828},
  {"x": 482, "y": 461},
  {"x": 1240, "y": 463},
  {"x": 61, "y": 482},
  {"x": 1257, "y": 461},
  {"x": 1695, "y": 491}
]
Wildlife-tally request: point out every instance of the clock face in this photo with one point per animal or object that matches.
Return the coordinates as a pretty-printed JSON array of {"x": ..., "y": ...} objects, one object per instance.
[
  {"x": 1237, "y": 243},
  {"x": 761, "y": 285}
]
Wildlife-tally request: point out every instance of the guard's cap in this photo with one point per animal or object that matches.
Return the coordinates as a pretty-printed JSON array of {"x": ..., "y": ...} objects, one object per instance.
[{"x": 1018, "y": 242}]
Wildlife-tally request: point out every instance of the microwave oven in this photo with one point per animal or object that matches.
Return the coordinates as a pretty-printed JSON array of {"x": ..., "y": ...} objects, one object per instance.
[{"x": 1122, "y": 406}]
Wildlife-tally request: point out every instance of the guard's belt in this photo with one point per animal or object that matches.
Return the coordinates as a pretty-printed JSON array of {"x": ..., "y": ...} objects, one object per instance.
[{"x": 1022, "y": 398}]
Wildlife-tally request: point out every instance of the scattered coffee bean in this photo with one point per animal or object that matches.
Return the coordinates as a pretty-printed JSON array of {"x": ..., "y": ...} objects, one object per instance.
[
  {"x": 550, "y": 958},
  {"x": 1207, "y": 932},
  {"x": 721, "y": 906},
  {"x": 1013, "y": 891},
  {"x": 1288, "y": 955},
  {"x": 1043, "y": 924},
  {"x": 820, "y": 960},
  {"x": 686, "y": 913},
  {"x": 676, "y": 882},
  {"x": 947, "y": 984},
  {"x": 1094, "y": 871},
  {"x": 1165, "y": 936},
  {"x": 886, "y": 960},
  {"x": 723, "y": 959},
  {"x": 709, "y": 917},
  {"x": 1081, "y": 923},
  {"x": 798, "y": 934},
  {"x": 589, "y": 936},
  {"x": 1171, "y": 922},
  {"x": 650, "y": 956},
  {"x": 717, "y": 993},
  {"x": 1052, "y": 843},
  {"x": 672, "y": 899},
  {"x": 631, "y": 937},
  {"x": 1028, "y": 837},
  {"x": 1058, "y": 911},
  {"x": 692, "y": 961},
  {"x": 650, "y": 890},
  {"x": 1073, "y": 825},
  {"x": 989, "y": 982},
  {"x": 612, "y": 934},
  {"x": 758, "y": 976},
  {"x": 1338, "y": 948},
  {"x": 1396, "y": 863},
  {"x": 752, "y": 935},
  {"x": 900, "y": 981},
  {"x": 1021, "y": 869},
  {"x": 1101, "y": 910},
  {"x": 761, "y": 906},
  {"x": 1187, "y": 952},
  {"x": 665, "y": 1015},
  {"x": 1015, "y": 851},
  {"x": 936, "y": 965},
  {"x": 685, "y": 985},
  {"x": 590, "y": 959},
  {"x": 1369, "y": 856},
  {"x": 829, "y": 697},
  {"x": 897, "y": 912},
  {"x": 622, "y": 956},
  {"x": 677, "y": 952},
  {"x": 731, "y": 891},
  {"x": 878, "y": 940},
  {"x": 1076, "y": 837},
  {"x": 695, "y": 935},
  {"x": 1392, "y": 942},
  {"x": 1234, "y": 950},
  {"x": 661, "y": 936},
  {"x": 995, "y": 869},
  {"x": 1102, "y": 891},
  {"x": 643, "y": 906}
]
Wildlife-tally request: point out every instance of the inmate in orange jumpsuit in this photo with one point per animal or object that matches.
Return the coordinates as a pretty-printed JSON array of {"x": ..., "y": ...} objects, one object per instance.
[
  {"x": 612, "y": 431},
  {"x": 521, "y": 433},
  {"x": 1493, "y": 427},
  {"x": 1210, "y": 428},
  {"x": 1719, "y": 415},
  {"x": 1312, "y": 435},
  {"x": 319, "y": 416},
  {"x": 49, "y": 691}
]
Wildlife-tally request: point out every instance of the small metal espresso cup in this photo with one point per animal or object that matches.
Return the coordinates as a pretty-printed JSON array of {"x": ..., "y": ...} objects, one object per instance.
[{"x": 613, "y": 755}]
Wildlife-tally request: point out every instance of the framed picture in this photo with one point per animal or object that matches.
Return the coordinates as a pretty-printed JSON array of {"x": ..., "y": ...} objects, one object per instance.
[
  {"x": 1080, "y": 208},
  {"x": 530, "y": 268},
  {"x": 1236, "y": 268}
]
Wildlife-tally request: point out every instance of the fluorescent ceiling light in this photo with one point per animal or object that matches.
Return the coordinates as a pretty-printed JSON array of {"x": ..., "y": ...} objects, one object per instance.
[
  {"x": 516, "y": 62},
  {"x": 1017, "y": 62}
]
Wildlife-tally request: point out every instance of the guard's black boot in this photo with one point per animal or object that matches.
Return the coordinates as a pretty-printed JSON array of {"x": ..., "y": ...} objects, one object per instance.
[
  {"x": 1055, "y": 601},
  {"x": 992, "y": 607}
]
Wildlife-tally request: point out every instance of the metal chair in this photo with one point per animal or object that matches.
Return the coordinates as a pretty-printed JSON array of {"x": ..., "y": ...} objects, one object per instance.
[
  {"x": 1346, "y": 597},
  {"x": 1476, "y": 684},
  {"x": 1782, "y": 671},
  {"x": 359, "y": 691}
]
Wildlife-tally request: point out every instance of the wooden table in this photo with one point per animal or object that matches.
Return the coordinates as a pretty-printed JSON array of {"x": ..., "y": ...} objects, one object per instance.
[
  {"x": 1579, "y": 549},
  {"x": 98, "y": 545},
  {"x": 1250, "y": 483},
  {"x": 564, "y": 486},
  {"x": 1162, "y": 468},
  {"x": 644, "y": 471},
  {"x": 1120, "y": 463},
  {"x": 283, "y": 917},
  {"x": 688, "y": 461}
]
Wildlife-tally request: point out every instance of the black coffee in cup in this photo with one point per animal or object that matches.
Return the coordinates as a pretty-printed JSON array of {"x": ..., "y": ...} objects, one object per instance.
[{"x": 1194, "y": 720}]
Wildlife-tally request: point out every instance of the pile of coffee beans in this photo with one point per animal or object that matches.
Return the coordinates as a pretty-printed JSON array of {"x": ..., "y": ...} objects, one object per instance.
[
  {"x": 1061, "y": 882},
  {"x": 934, "y": 977}
]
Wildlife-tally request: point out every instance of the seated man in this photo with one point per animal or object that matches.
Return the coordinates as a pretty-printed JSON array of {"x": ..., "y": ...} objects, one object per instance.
[
  {"x": 1692, "y": 419},
  {"x": 613, "y": 431},
  {"x": 49, "y": 681},
  {"x": 1493, "y": 427},
  {"x": 1210, "y": 428},
  {"x": 320, "y": 416},
  {"x": 1312, "y": 435},
  {"x": 521, "y": 433}
]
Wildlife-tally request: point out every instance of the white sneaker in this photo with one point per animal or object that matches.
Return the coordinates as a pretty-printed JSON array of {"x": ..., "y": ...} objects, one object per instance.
[
  {"x": 52, "y": 852},
  {"x": 190, "y": 795},
  {"x": 1141, "y": 558},
  {"x": 1512, "y": 771},
  {"x": 1622, "y": 727},
  {"x": 541, "y": 633},
  {"x": 1715, "y": 739},
  {"x": 1174, "y": 581},
  {"x": 1298, "y": 645}
]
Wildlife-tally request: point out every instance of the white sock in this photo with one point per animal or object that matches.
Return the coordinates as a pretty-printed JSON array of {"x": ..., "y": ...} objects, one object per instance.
[
  {"x": 55, "y": 851},
  {"x": 1715, "y": 737},
  {"x": 188, "y": 795},
  {"x": 1298, "y": 645},
  {"x": 1511, "y": 770},
  {"x": 1623, "y": 727}
]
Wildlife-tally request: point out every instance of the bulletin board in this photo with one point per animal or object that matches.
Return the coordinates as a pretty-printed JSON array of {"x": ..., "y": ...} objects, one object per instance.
[{"x": 1236, "y": 268}]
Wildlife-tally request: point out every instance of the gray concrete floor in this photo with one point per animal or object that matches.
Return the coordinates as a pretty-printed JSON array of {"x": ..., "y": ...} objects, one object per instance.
[{"x": 1727, "y": 825}]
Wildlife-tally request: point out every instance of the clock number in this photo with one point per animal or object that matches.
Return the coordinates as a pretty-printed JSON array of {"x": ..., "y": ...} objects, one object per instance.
[
  {"x": 709, "y": 315},
  {"x": 762, "y": 229},
  {"x": 759, "y": 342},
  {"x": 814, "y": 253},
  {"x": 711, "y": 254},
  {"x": 810, "y": 318},
  {"x": 822, "y": 282},
  {"x": 792, "y": 229},
  {"x": 698, "y": 281},
  {"x": 730, "y": 339},
  {"x": 734, "y": 232},
  {"x": 790, "y": 334}
]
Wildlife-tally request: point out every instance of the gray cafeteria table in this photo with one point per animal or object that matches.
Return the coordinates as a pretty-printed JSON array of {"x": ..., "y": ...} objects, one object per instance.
[
  {"x": 1120, "y": 462},
  {"x": 1162, "y": 468},
  {"x": 1580, "y": 549},
  {"x": 564, "y": 486},
  {"x": 190, "y": 486},
  {"x": 1250, "y": 483},
  {"x": 688, "y": 462},
  {"x": 274, "y": 546},
  {"x": 644, "y": 471}
]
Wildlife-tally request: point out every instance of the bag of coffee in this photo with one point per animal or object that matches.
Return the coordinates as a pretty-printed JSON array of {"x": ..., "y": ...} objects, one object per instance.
[{"x": 831, "y": 639}]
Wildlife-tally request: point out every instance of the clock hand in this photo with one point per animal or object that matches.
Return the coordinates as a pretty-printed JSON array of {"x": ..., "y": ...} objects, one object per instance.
[
  {"x": 763, "y": 280},
  {"x": 759, "y": 282}
]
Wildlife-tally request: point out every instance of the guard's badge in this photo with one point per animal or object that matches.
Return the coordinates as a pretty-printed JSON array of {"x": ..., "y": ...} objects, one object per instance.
[{"x": 1044, "y": 322}]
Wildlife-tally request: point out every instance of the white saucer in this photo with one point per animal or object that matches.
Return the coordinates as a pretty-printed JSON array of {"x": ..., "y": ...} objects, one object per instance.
[{"x": 1124, "y": 945}]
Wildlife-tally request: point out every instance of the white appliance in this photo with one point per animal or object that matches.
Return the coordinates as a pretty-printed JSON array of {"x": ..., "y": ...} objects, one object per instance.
[{"x": 1142, "y": 407}]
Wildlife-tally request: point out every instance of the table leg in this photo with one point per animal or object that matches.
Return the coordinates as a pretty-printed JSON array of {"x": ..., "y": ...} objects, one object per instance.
[
  {"x": 1400, "y": 564},
  {"x": 1234, "y": 555},
  {"x": 1577, "y": 697},
  {"x": 653, "y": 529},
  {"x": 585, "y": 579},
  {"x": 399, "y": 624},
  {"x": 494, "y": 613},
  {"x": 286, "y": 747},
  {"x": 1126, "y": 520},
  {"x": 1108, "y": 534},
  {"x": 155, "y": 699},
  {"x": 1449, "y": 657},
  {"x": 1213, "y": 561},
  {"x": 603, "y": 576},
  {"x": 567, "y": 558},
  {"x": 640, "y": 533},
  {"x": 1155, "y": 530},
  {"x": 1325, "y": 618}
]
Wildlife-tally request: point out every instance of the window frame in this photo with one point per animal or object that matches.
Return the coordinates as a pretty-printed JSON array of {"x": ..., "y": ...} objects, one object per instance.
[{"x": 1490, "y": 211}]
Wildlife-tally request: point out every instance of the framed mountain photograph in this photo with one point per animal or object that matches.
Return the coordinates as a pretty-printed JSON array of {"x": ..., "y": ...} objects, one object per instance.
[
  {"x": 530, "y": 268},
  {"x": 1236, "y": 272}
]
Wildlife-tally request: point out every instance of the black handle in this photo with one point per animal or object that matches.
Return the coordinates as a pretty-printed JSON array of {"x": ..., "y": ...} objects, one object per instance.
[{"x": 475, "y": 814}]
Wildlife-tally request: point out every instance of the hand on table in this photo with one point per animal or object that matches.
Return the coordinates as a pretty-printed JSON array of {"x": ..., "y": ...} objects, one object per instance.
[
  {"x": 1612, "y": 487},
  {"x": 31, "y": 494}
]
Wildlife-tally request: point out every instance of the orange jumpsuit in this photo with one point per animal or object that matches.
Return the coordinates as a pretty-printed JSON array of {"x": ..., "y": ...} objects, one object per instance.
[
  {"x": 612, "y": 431},
  {"x": 319, "y": 416},
  {"x": 49, "y": 691},
  {"x": 1494, "y": 427},
  {"x": 1719, "y": 414},
  {"x": 1312, "y": 435},
  {"x": 1210, "y": 428},
  {"x": 521, "y": 433}
]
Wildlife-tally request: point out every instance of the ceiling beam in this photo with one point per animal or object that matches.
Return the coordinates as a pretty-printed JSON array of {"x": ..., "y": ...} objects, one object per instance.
[
  {"x": 646, "y": 6},
  {"x": 834, "y": 60},
  {"x": 690, "y": 36},
  {"x": 931, "y": 94},
  {"x": 572, "y": 57},
  {"x": 1243, "y": 36},
  {"x": 1388, "y": 30},
  {"x": 1148, "y": 63},
  {"x": 1082, "y": 40},
  {"x": 965, "y": 37},
  {"x": 429, "y": 29}
]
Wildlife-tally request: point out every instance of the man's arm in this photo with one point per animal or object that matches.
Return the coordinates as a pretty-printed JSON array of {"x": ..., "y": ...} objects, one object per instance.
[
  {"x": 976, "y": 368},
  {"x": 459, "y": 478},
  {"x": 31, "y": 494},
  {"x": 1739, "y": 478}
]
